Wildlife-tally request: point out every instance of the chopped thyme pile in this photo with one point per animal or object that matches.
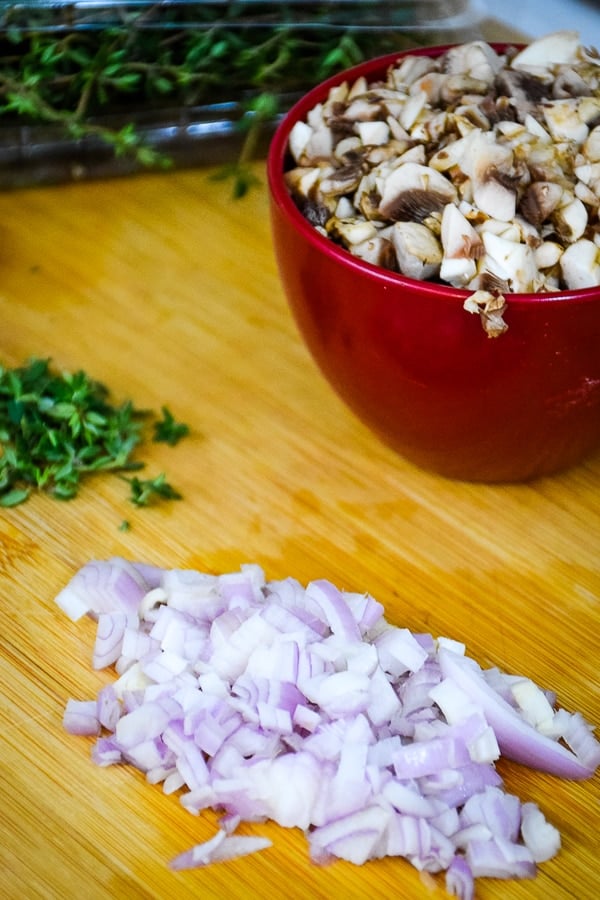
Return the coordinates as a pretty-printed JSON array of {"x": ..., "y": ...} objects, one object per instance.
[{"x": 56, "y": 428}]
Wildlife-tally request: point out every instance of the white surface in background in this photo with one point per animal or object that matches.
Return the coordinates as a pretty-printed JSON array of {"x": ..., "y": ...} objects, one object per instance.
[{"x": 539, "y": 17}]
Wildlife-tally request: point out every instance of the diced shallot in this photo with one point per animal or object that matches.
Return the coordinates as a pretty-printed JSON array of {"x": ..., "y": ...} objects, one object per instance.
[{"x": 267, "y": 700}]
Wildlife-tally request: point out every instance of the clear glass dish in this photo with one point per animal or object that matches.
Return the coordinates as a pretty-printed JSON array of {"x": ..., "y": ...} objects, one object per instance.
[{"x": 94, "y": 88}]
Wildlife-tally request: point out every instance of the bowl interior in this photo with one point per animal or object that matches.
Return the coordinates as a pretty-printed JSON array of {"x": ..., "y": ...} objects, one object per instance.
[{"x": 279, "y": 160}]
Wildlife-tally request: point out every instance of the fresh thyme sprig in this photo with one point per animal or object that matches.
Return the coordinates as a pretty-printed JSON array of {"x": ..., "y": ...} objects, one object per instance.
[
  {"x": 58, "y": 427},
  {"x": 76, "y": 76}
]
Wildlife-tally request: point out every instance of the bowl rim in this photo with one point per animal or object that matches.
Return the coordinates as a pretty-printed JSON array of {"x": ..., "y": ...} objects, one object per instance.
[{"x": 275, "y": 163}]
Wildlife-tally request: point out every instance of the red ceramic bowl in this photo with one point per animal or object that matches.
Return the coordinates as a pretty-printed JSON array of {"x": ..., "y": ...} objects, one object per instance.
[{"x": 419, "y": 370}]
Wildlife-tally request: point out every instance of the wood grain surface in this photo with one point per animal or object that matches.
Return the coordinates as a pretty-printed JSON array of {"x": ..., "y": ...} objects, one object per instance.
[{"x": 166, "y": 290}]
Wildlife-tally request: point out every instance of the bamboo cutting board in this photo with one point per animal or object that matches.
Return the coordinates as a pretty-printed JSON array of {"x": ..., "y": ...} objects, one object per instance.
[{"x": 166, "y": 290}]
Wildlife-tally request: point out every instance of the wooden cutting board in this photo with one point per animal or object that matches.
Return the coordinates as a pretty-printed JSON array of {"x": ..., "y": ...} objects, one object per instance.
[{"x": 166, "y": 289}]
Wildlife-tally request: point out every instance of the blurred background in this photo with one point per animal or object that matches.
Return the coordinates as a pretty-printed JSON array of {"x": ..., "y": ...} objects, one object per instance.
[{"x": 537, "y": 17}]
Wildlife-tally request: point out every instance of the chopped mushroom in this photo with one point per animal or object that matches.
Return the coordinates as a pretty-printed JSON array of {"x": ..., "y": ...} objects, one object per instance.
[
  {"x": 462, "y": 247},
  {"x": 418, "y": 251},
  {"x": 560, "y": 47},
  {"x": 477, "y": 168},
  {"x": 476, "y": 59},
  {"x": 490, "y": 307},
  {"x": 378, "y": 250},
  {"x": 580, "y": 264},
  {"x": 510, "y": 260},
  {"x": 591, "y": 146},
  {"x": 539, "y": 201},
  {"x": 412, "y": 192}
]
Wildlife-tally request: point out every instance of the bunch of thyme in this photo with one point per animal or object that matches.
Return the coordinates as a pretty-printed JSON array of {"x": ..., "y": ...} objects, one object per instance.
[
  {"x": 57, "y": 428},
  {"x": 75, "y": 73}
]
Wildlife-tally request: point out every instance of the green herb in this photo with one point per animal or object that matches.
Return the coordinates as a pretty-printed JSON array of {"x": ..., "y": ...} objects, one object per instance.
[
  {"x": 146, "y": 491},
  {"x": 168, "y": 430},
  {"x": 66, "y": 68},
  {"x": 56, "y": 428},
  {"x": 14, "y": 498},
  {"x": 258, "y": 112}
]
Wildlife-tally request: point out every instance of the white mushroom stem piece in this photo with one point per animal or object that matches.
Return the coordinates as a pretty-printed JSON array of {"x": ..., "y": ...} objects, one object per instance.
[
  {"x": 379, "y": 251},
  {"x": 476, "y": 59},
  {"x": 486, "y": 162},
  {"x": 418, "y": 252},
  {"x": 591, "y": 146},
  {"x": 580, "y": 264},
  {"x": 462, "y": 247},
  {"x": 570, "y": 218},
  {"x": 351, "y": 231},
  {"x": 548, "y": 254},
  {"x": 565, "y": 121},
  {"x": 557, "y": 47},
  {"x": 511, "y": 261}
]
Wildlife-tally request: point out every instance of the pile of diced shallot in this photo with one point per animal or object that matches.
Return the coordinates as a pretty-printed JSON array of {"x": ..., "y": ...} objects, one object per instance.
[{"x": 270, "y": 700}]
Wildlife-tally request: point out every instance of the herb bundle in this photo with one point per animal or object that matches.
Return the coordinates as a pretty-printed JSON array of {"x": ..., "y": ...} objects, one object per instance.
[
  {"x": 57, "y": 428},
  {"x": 89, "y": 74}
]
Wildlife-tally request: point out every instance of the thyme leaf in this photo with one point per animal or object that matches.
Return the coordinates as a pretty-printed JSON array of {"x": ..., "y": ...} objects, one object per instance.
[
  {"x": 168, "y": 430},
  {"x": 145, "y": 491}
]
